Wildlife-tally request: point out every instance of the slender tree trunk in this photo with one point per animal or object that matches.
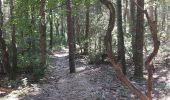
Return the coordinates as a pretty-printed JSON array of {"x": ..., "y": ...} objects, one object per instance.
[
  {"x": 125, "y": 15},
  {"x": 62, "y": 30},
  {"x": 132, "y": 26},
  {"x": 51, "y": 28},
  {"x": 100, "y": 43},
  {"x": 70, "y": 36},
  {"x": 33, "y": 21},
  {"x": 74, "y": 34},
  {"x": 87, "y": 27},
  {"x": 78, "y": 33},
  {"x": 5, "y": 56},
  {"x": 139, "y": 40},
  {"x": 156, "y": 18},
  {"x": 13, "y": 35},
  {"x": 57, "y": 27},
  {"x": 151, "y": 11},
  {"x": 108, "y": 45},
  {"x": 163, "y": 18},
  {"x": 120, "y": 36},
  {"x": 42, "y": 34}
]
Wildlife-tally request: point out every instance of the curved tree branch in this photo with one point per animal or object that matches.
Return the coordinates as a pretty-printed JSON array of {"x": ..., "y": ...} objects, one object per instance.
[
  {"x": 108, "y": 44},
  {"x": 149, "y": 63}
]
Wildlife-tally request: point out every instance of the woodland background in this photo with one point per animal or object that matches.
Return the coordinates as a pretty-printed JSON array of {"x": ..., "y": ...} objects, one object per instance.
[{"x": 60, "y": 36}]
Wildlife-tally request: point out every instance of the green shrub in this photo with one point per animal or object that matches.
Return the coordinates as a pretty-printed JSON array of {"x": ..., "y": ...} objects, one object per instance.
[{"x": 38, "y": 73}]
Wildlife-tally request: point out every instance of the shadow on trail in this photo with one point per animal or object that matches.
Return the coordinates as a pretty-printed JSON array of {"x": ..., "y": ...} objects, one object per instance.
[{"x": 90, "y": 82}]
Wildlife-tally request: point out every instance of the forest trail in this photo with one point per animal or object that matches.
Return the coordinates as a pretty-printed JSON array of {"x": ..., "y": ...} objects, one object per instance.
[{"x": 90, "y": 82}]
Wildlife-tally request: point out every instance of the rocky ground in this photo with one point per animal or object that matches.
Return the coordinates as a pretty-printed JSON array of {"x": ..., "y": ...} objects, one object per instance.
[{"x": 90, "y": 82}]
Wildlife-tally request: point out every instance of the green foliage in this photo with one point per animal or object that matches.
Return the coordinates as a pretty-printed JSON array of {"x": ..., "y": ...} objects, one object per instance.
[
  {"x": 38, "y": 73},
  {"x": 95, "y": 56},
  {"x": 52, "y": 3},
  {"x": 27, "y": 20}
]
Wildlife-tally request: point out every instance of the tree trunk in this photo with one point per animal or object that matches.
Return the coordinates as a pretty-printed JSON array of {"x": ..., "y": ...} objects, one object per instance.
[
  {"x": 138, "y": 73},
  {"x": 100, "y": 43},
  {"x": 74, "y": 33},
  {"x": 33, "y": 25},
  {"x": 163, "y": 17},
  {"x": 86, "y": 46},
  {"x": 51, "y": 28},
  {"x": 42, "y": 34},
  {"x": 5, "y": 56},
  {"x": 156, "y": 43},
  {"x": 120, "y": 36},
  {"x": 70, "y": 36},
  {"x": 108, "y": 45},
  {"x": 125, "y": 15},
  {"x": 57, "y": 27},
  {"x": 153, "y": 27},
  {"x": 78, "y": 33},
  {"x": 13, "y": 35},
  {"x": 132, "y": 27},
  {"x": 156, "y": 18},
  {"x": 62, "y": 32}
]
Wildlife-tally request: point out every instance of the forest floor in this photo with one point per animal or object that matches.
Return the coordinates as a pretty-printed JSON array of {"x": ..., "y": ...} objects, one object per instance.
[{"x": 90, "y": 82}]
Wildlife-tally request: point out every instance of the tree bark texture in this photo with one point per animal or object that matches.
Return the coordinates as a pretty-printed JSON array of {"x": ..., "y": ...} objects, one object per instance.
[
  {"x": 70, "y": 37},
  {"x": 13, "y": 35},
  {"x": 86, "y": 46},
  {"x": 149, "y": 63},
  {"x": 51, "y": 28},
  {"x": 42, "y": 34},
  {"x": 120, "y": 37},
  {"x": 139, "y": 39},
  {"x": 5, "y": 56},
  {"x": 108, "y": 45},
  {"x": 156, "y": 43},
  {"x": 132, "y": 26}
]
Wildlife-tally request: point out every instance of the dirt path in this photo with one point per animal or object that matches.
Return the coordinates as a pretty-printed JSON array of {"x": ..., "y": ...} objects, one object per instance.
[
  {"x": 90, "y": 82},
  {"x": 87, "y": 84}
]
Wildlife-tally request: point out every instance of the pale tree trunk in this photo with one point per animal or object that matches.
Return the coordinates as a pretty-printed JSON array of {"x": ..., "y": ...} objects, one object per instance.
[
  {"x": 42, "y": 34},
  {"x": 125, "y": 15},
  {"x": 151, "y": 11},
  {"x": 5, "y": 56},
  {"x": 70, "y": 36},
  {"x": 163, "y": 24}
]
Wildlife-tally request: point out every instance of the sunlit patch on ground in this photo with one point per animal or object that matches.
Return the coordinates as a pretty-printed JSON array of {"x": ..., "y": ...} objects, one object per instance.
[
  {"x": 62, "y": 53},
  {"x": 80, "y": 69},
  {"x": 88, "y": 83},
  {"x": 18, "y": 94},
  {"x": 4, "y": 91}
]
